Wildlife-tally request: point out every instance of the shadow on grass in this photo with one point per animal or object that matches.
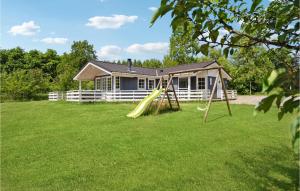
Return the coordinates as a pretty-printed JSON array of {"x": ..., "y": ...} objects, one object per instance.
[
  {"x": 268, "y": 169},
  {"x": 215, "y": 118},
  {"x": 164, "y": 108}
]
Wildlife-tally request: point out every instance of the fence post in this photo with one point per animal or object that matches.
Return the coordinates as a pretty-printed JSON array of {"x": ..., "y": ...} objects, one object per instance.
[{"x": 79, "y": 93}]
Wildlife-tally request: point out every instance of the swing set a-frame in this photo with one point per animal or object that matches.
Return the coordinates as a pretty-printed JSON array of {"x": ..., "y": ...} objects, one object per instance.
[{"x": 170, "y": 89}]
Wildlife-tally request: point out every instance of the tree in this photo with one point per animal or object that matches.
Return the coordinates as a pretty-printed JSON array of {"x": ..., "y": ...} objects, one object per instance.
[
  {"x": 137, "y": 63},
  {"x": 275, "y": 26},
  {"x": 252, "y": 66},
  {"x": 216, "y": 54},
  {"x": 183, "y": 49},
  {"x": 81, "y": 53},
  {"x": 32, "y": 59},
  {"x": 12, "y": 59},
  {"x": 152, "y": 63},
  {"x": 49, "y": 61},
  {"x": 24, "y": 84},
  {"x": 168, "y": 61}
]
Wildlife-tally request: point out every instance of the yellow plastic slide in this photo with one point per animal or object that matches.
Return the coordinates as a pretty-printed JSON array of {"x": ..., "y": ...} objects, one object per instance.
[{"x": 142, "y": 106}]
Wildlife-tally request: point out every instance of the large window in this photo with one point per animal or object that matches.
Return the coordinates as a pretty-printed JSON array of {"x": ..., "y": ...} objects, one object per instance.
[
  {"x": 183, "y": 83},
  {"x": 141, "y": 83},
  {"x": 103, "y": 83},
  {"x": 118, "y": 82},
  {"x": 201, "y": 83},
  {"x": 151, "y": 84}
]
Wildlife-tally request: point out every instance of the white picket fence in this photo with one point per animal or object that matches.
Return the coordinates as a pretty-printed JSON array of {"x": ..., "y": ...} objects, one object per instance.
[
  {"x": 132, "y": 95},
  {"x": 55, "y": 96}
]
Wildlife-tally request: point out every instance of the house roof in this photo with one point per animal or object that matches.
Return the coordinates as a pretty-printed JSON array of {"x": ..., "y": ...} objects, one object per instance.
[
  {"x": 113, "y": 67},
  {"x": 98, "y": 68}
]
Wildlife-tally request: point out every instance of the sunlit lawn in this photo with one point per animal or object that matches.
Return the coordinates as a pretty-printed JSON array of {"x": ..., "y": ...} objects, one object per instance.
[{"x": 67, "y": 146}]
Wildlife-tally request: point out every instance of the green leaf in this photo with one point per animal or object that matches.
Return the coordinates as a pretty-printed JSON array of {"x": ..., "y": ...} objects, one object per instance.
[
  {"x": 282, "y": 37},
  {"x": 213, "y": 35},
  {"x": 231, "y": 51},
  {"x": 265, "y": 104},
  {"x": 196, "y": 34},
  {"x": 297, "y": 26},
  {"x": 225, "y": 51},
  {"x": 254, "y": 5},
  {"x": 161, "y": 11},
  {"x": 204, "y": 49},
  {"x": 297, "y": 3},
  {"x": 177, "y": 21},
  {"x": 235, "y": 39},
  {"x": 295, "y": 126},
  {"x": 268, "y": 83}
]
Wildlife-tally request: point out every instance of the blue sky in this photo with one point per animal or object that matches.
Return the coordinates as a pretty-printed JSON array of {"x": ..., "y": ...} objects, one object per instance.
[{"x": 117, "y": 29}]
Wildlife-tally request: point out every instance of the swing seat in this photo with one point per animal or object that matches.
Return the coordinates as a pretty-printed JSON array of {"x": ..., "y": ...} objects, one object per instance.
[{"x": 202, "y": 108}]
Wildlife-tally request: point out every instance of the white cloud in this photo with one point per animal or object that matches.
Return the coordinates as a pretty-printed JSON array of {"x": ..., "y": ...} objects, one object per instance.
[
  {"x": 51, "y": 40},
  {"x": 152, "y": 8},
  {"x": 113, "y": 22},
  {"x": 109, "y": 52},
  {"x": 25, "y": 29},
  {"x": 152, "y": 47}
]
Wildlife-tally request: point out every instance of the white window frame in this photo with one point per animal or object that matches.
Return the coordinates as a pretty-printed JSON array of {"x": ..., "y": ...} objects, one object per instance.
[
  {"x": 116, "y": 82},
  {"x": 101, "y": 79},
  {"x": 97, "y": 82},
  {"x": 198, "y": 82},
  {"x": 154, "y": 85},
  {"x": 138, "y": 82},
  {"x": 179, "y": 83}
]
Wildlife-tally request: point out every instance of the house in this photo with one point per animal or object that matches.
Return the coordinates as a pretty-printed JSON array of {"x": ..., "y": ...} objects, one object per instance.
[{"x": 116, "y": 82}]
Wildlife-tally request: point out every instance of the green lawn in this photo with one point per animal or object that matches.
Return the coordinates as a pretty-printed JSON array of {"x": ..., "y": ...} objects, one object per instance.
[{"x": 68, "y": 146}]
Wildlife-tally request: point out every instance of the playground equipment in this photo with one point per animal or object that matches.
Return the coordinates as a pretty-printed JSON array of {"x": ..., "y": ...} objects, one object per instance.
[{"x": 146, "y": 102}]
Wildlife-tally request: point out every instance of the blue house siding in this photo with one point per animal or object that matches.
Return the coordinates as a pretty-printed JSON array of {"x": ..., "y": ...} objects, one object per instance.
[{"x": 128, "y": 83}]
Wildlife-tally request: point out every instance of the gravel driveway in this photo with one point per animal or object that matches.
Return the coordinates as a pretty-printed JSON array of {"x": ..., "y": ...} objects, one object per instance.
[{"x": 250, "y": 100}]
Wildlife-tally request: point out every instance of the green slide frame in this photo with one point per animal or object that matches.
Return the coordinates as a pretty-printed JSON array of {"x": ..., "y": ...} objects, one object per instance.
[{"x": 142, "y": 106}]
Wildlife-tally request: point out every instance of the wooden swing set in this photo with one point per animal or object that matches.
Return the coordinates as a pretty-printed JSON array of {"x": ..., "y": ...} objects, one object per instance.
[{"x": 170, "y": 88}]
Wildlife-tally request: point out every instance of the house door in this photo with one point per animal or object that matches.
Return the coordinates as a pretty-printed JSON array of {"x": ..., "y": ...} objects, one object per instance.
[{"x": 183, "y": 83}]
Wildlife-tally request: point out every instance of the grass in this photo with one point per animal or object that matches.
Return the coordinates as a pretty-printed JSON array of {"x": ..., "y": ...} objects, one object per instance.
[{"x": 65, "y": 146}]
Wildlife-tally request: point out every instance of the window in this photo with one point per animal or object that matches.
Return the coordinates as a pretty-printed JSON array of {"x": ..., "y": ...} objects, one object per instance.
[
  {"x": 108, "y": 81},
  {"x": 150, "y": 84},
  {"x": 118, "y": 82},
  {"x": 183, "y": 83},
  {"x": 98, "y": 84},
  {"x": 165, "y": 83},
  {"x": 201, "y": 83},
  {"x": 141, "y": 84},
  {"x": 103, "y": 83}
]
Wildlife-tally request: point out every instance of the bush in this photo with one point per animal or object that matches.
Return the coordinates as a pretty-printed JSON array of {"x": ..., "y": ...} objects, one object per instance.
[{"x": 24, "y": 84}]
